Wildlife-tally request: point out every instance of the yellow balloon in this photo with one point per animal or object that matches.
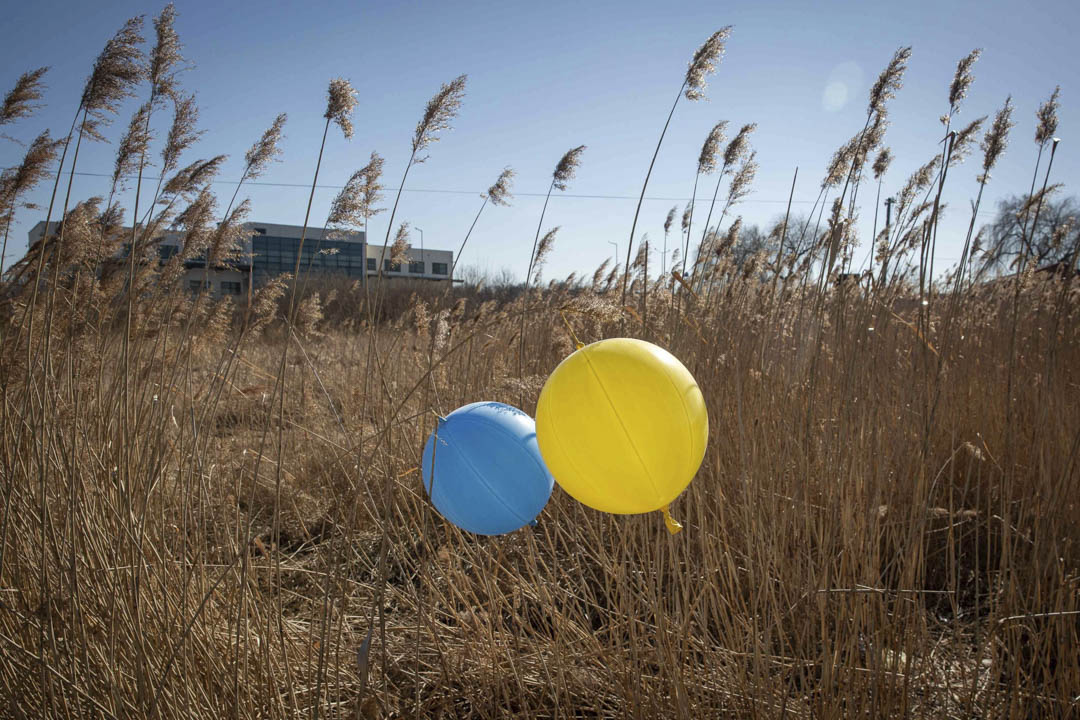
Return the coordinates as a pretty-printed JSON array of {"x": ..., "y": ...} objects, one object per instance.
[{"x": 622, "y": 426}]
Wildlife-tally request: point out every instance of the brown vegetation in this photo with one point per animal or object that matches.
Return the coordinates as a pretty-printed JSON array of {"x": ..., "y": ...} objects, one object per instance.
[{"x": 212, "y": 511}]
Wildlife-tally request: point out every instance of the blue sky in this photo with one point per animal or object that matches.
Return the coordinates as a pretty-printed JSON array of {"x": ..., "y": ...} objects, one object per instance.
[{"x": 545, "y": 77}]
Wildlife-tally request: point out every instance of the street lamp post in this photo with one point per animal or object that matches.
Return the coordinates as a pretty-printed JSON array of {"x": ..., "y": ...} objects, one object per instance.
[
  {"x": 612, "y": 242},
  {"x": 424, "y": 269}
]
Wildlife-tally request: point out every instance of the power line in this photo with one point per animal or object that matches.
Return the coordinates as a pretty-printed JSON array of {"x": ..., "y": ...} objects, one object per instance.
[
  {"x": 447, "y": 191},
  {"x": 444, "y": 191}
]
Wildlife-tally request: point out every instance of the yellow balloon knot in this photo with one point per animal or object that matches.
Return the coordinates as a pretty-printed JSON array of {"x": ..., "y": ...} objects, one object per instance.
[{"x": 673, "y": 525}]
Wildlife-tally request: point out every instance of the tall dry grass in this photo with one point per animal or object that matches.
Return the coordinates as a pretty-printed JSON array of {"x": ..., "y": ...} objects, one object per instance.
[{"x": 211, "y": 511}]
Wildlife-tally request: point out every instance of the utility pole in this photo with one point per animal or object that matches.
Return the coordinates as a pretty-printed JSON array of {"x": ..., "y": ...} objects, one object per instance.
[{"x": 888, "y": 225}]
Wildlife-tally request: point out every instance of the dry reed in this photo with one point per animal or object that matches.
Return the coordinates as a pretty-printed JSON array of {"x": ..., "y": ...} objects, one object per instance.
[{"x": 207, "y": 517}]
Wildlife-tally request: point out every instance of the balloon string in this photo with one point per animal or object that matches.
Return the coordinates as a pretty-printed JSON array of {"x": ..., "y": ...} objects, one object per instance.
[
  {"x": 569, "y": 329},
  {"x": 673, "y": 525}
]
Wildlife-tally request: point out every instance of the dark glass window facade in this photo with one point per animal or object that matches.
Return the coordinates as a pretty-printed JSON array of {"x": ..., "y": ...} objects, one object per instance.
[
  {"x": 275, "y": 255},
  {"x": 416, "y": 268},
  {"x": 440, "y": 268},
  {"x": 388, "y": 266},
  {"x": 230, "y": 287}
]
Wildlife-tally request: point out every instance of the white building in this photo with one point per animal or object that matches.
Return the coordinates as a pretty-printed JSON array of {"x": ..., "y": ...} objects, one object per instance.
[
  {"x": 272, "y": 249},
  {"x": 423, "y": 264}
]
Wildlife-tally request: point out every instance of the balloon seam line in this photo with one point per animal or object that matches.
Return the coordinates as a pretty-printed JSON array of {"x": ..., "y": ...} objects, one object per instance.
[
  {"x": 622, "y": 426},
  {"x": 484, "y": 482}
]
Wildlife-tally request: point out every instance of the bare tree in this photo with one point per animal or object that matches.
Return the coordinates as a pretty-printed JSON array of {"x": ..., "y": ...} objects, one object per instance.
[{"x": 1052, "y": 239}]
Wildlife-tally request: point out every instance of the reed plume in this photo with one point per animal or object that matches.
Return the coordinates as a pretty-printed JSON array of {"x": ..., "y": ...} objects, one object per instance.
[
  {"x": 739, "y": 188},
  {"x": 731, "y": 238},
  {"x": 840, "y": 163},
  {"x": 182, "y": 133},
  {"x": 882, "y": 162},
  {"x": 227, "y": 238},
  {"x": 996, "y": 139},
  {"x": 117, "y": 71},
  {"x": 856, "y": 152},
  {"x": 742, "y": 180},
  {"x": 21, "y": 100},
  {"x": 399, "y": 251},
  {"x": 739, "y": 145},
  {"x": 564, "y": 172},
  {"x": 258, "y": 157},
  {"x": 993, "y": 145},
  {"x": 16, "y": 182},
  {"x": 733, "y": 153},
  {"x": 133, "y": 145},
  {"x": 704, "y": 63},
  {"x": 567, "y": 167},
  {"x": 1048, "y": 118},
  {"x": 340, "y": 103},
  {"x": 889, "y": 81},
  {"x": 668, "y": 222},
  {"x": 962, "y": 79},
  {"x": 1045, "y": 128},
  {"x": 706, "y": 165},
  {"x": 355, "y": 203},
  {"x": 711, "y": 148},
  {"x": 165, "y": 57},
  {"x": 957, "y": 146},
  {"x": 497, "y": 194},
  {"x": 191, "y": 178},
  {"x": 438, "y": 114},
  {"x": 964, "y": 141},
  {"x": 598, "y": 274},
  {"x": 879, "y": 167},
  {"x": 543, "y": 249},
  {"x": 162, "y": 69},
  {"x": 196, "y": 222},
  {"x": 266, "y": 149}
]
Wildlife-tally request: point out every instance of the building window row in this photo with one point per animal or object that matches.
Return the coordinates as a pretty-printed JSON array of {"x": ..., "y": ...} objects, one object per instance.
[
  {"x": 415, "y": 267},
  {"x": 272, "y": 255},
  {"x": 227, "y": 287}
]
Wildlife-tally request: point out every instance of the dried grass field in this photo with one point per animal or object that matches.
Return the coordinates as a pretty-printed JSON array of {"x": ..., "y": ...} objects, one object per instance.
[{"x": 212, "y": 508}]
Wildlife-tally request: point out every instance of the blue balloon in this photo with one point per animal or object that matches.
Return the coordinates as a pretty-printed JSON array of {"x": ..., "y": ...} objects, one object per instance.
[{"x": 486, "y": 475}]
